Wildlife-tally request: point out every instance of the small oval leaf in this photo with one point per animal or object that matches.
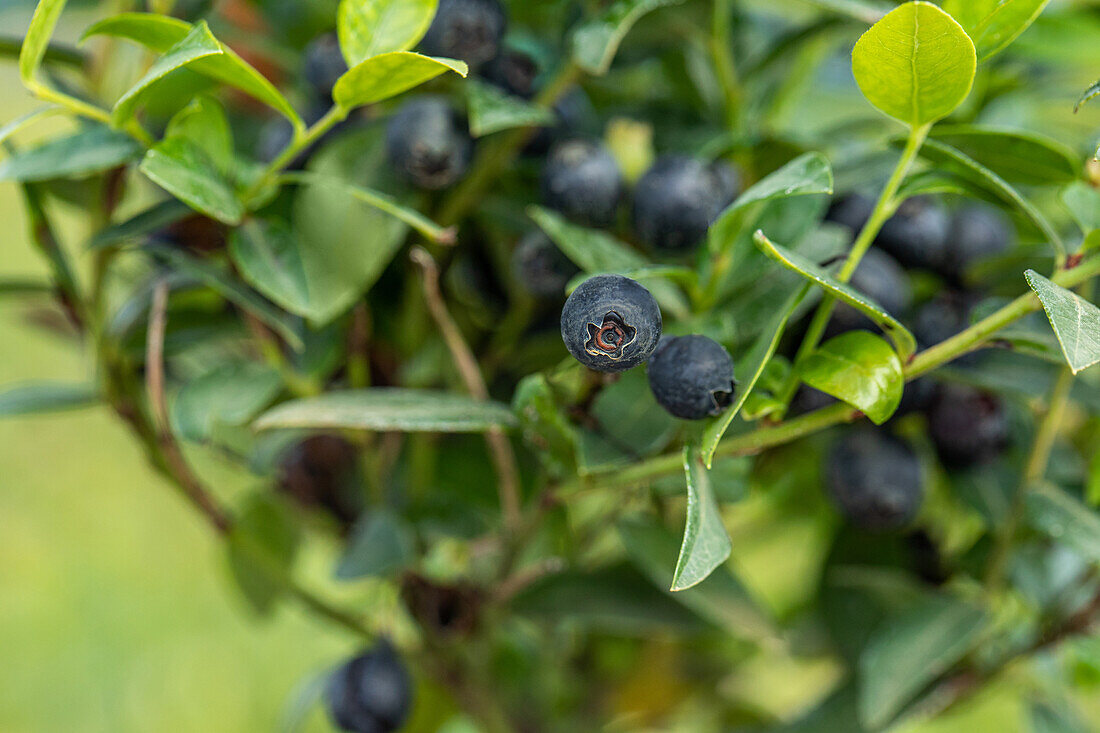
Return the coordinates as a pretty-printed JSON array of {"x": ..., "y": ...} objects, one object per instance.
[
  {"x": 37, "y": 39},
  {"x": 389, "y": 74},
  {"x": 706, "y": 543},
  {"x": 1076, "y": 322},
  {"x": 994, "y": 24},
  {"x": 370, "y": 27},
  {"x": 858, "y": 368}
]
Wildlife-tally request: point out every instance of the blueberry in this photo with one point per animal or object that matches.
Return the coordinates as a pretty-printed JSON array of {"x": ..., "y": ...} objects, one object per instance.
[
  {"x": 918, "y": 234},
  {"x": 692, "y": 377},
  {"x": 977, "y": 232},
  {"x": 323, "y": 64},
  {"x": 513, "y": 71},
  {"x": 611, "y": 323},
  {"x": 875, "y": 480},
  {"x": 967, "y": 426},
  {"x": 851, "y": 211},
  {"x": 322, "y": 471},
  {"x": 540, "y": 267},
  {"x": 943, "y": 317},
  {"x": 729, "y": 180},
  {"x": 676, "y": 201},
  {"x": 470, "y": 30},
  {"x": 582, "y": 180},
  {"x": 429, "y": 143},
  {"x": 372, "y": 693},
  {"x": 880, "y": 277}
]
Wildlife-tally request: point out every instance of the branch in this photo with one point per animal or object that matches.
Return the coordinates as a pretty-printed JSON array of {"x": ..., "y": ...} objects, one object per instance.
[{"x": 500, "y": 449}]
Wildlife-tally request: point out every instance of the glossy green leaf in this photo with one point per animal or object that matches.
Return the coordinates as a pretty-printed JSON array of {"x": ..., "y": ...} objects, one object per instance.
[
  {"x": 160, "y": 33},
  {"x": 36, "y": 398},
  {"x": 141, "y": 225},
  {"x": 1018, "y": 157},
  {"x": 597, "y": 252},
  {"x": 1083, "y": 202},
  {"x": 37, "y": 39},
  {"x": 493, "y": 110},
  {"x": 994, "y": 24},
  {"x": 916, "y": 64},
  {"x": 1076, "y": 322},
  {"x": 197, "y": 44},
  {"x": 371, "y": 27},
  {"x": 184, "y": 170},
  {"x": 1090, "y": 93},
  {"x": 596, "y": 42},
  {"x": 902, "y": 339},
  {"x": 943, "y": 154},
  {"x": 858, "y": 368},
  {"x": 390, "y": 409},
  {"x": 723, "y": 600},
  {"x": 706, "y": 543},
  {"x": 203, "y": 122},
  {"x": 751, "y": 369},
  {"x": 231, "y": 394},
  {"x": 807, "y": 175},
  {"x": 909, "y": 651},
  {"x": 80, "y": 155},
  {"x": 260, "y": 550},
  {"x": 1064, "y": 519},
  {"x": 230, "y": 289},
  {"x": 270, "y": 258},
  {"x": 387, "y": 75},
  {"x": 380, "y": 544}
]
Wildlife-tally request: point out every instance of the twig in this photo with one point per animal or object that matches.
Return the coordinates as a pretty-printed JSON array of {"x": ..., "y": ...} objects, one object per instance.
[{"x": 504, "y": 458}]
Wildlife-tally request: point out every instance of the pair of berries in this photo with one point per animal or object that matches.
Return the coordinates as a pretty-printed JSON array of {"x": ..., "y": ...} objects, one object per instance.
[{"x": 610, "y": 323}]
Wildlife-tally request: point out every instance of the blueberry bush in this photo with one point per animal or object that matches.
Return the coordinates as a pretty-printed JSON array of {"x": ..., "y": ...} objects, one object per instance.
[{"x": 694, "y": 365}]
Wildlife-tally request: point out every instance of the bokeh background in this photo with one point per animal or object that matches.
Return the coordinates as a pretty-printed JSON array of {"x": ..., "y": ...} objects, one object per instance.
[{"x": 115, "y": 610}]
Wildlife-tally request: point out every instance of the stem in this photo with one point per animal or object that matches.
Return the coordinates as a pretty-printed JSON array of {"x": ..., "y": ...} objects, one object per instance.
[
  {"x": 301, "y": 141},
  {"x": 885, "y": 207},
  {"x": 498, "y": 154},
  {"x": 499, "y": 448},
  {"x": 724, "y": 63},
  {"x": 83, "y": 109}
]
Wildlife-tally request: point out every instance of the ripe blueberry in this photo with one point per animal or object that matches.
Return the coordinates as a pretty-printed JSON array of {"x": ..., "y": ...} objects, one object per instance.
[
  {"x": 880, "y": 277},
  {"x": 513, "y": 71},
  {"x": 321, "y": 471},
  {"x": 323, "y": 64},
  {"x": 611, "y": 323},
  {"x": 692, "y": 377},
  {"x": 917, "y": 235},
  {"x": 966, "y": 425},
  {"x": 977, "y": 232},
  {"x": 943, "y": 317},
  {"x": 428, "y": 143},
  {"x": 582, "y": 180},
  {"x": 540, "y": 267},
  {"x": 676, "y": 201},
  {"x": 875, "y": 480},
  {"x": 470, "y": 30},
  {"x": 371, "y": 693}
]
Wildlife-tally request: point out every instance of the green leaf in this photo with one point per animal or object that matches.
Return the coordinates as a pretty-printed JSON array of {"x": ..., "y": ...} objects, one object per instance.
[
  {"x": 199, "y": 43},
  {"x": 934, "y": 182},
  {"x": 160, "y": 33},
  {"x": 545, "y": 425},
  {"x": 858, "y": 368},
  {"x": 84, "y": 154},
  {"x": 370, "y": 27},
  {"x": 598, "y": 252},
  {"x": 909, "y": 651},
  {"x": 231, "y": 290},
  {"x": 903, "y": 341},
  {"x": 943, "y": 154},
  {"x": 390, "y": 409},
  {"x": 22, "y": 121},
  {"x": 596, "y": 41},
  {"x": 203, "y": 123},
  {"x": 231, "y": 394},
  {"x": 706, "y": 544},
  {"x": 493, "y": 110},
  {"x": 1018, "y": 157},
  {"x": 389, "y": 74},
  {"x": 270, "y": 258},
  {"x": 37, "y": 39},
  {"x": 627, "y": 413},
  {"x": 1091, "y": 92},
  {"x": 723, "y": 600},
  {"x": 156, "y": 217},
  {"x": 916, "y": 64},
  {"x": 261, "y": 548},
  {"x": 994, "y": 24},
  {"x": 1083, "y": 202},
  {"x": 1064, "y": 519},
  {"x": 807, "y": 175},
  {"x": 754, "y": 365},
  {"x": 184, "y": 170},
  {"x": 380, "y": 545},
  {"x": 41, "y": 397},
  {"x": 1076, "y": 322}
]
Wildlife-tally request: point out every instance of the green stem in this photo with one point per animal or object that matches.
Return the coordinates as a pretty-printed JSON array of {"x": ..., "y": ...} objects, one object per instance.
[
  {"x": 721, "y": 49},
  {"x": 301, "y": 141},
  {"x": 83, "y": 109},
  {"x": 885, "y": 207}
]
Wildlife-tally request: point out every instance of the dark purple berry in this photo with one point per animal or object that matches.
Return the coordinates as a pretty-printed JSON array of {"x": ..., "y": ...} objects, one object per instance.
[
  {"x": 875, "y": 480},
  {"x": 692, "y": 377}
]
